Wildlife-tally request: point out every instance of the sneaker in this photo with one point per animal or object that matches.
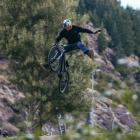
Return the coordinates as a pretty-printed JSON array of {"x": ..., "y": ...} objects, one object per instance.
[
  {"x": 44, "y": 66},
  {"x": 91, "y": 54}
]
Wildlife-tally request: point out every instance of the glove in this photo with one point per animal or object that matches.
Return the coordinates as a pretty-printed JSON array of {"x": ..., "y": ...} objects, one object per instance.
[
  {"x": 97, "y": 31},
  {"x": 54, "y": 44}
]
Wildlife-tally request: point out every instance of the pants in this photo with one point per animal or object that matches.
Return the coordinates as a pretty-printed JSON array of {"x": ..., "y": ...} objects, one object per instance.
[{"x": 78, "y": 45}]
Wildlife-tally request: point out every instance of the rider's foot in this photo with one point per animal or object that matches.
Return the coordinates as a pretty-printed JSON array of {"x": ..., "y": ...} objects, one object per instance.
[
  {"x": 91, "y": 54},
  {"x": 44, "y": 66}
]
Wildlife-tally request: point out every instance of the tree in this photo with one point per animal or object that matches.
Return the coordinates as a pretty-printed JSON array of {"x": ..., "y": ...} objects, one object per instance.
[
  {"x": 127, "y": 33},
  {"x": 102, "y": 42},
  {"x": 30, "y": 29}
]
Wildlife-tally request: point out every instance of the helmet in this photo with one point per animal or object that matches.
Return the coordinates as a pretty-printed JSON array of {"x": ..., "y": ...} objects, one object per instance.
[{"x": 67, "y": 23}]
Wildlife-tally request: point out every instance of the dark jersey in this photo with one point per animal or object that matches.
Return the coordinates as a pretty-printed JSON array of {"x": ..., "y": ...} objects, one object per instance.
[{"x": 72, "y": 35}]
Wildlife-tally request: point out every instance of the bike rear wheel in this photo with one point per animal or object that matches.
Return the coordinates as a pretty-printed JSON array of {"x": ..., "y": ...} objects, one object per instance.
[
  {"x": 53, "y": 58},
  {"x": 63, "y": 82}
]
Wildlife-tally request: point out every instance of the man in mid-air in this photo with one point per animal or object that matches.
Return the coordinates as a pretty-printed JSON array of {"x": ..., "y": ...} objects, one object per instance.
[{"x": 72, "y": 34}]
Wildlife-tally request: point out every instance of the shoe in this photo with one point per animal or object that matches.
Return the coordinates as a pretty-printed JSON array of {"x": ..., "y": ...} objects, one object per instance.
[
  {"x": 91, "y": 54},
  {"x": 44, "y": 66}
]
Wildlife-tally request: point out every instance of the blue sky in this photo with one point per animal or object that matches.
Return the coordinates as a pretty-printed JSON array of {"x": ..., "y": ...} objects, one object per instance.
[{"x": 133, "y": 3}]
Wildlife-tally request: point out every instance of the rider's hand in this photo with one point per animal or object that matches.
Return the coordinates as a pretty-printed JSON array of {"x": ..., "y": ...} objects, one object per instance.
[
  {"x": 98, "y": 31},
  {"x": 55, "y": 44}
]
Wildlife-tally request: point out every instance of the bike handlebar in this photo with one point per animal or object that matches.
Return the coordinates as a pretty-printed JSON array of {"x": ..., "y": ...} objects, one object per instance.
[{"x": 60, "y": 45}]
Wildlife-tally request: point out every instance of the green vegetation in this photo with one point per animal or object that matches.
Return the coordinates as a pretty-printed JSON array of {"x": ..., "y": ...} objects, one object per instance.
[
  {"x": 27, "y": 30},
  {"x": 122, "y": 24}
]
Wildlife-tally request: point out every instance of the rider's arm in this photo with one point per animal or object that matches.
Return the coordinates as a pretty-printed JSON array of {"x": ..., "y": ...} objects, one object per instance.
[
  {"x": 84, "y": 30},
  {"x": 59, "y": 37}
]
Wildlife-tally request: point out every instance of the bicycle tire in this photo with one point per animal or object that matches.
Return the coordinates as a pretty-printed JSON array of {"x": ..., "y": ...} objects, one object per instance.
[
  {"x": 52, "y": 59},
  {"x": 63, "y": 82}
]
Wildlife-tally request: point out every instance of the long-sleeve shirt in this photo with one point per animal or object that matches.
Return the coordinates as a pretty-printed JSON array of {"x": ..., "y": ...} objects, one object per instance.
[{"x": 73, "y": 35}]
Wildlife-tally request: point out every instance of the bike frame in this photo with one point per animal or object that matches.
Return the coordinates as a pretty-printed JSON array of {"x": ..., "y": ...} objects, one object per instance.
[
  {"x": 58, "y": 54},
  {"x": 61, "y": 59}
]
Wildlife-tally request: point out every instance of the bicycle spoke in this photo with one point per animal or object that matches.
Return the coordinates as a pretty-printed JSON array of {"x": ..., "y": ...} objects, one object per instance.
[
  {"x": 63, "y": 83},
  {"x": 53, "y": 59}
]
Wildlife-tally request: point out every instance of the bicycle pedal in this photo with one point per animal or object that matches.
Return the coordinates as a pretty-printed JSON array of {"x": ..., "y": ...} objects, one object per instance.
[
  {"x": 44, "y": 66},
  {"x": 59, "y": 74},
  {"x": 67, "y": 64}
]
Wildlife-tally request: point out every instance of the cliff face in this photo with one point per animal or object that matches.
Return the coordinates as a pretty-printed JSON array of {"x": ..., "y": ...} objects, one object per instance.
[
  {"x": 104, "y": 112},
  {"x": 103, "y": 60},
  {"x": 110, "y": 86},
  {"x": 9, "y": 94}
]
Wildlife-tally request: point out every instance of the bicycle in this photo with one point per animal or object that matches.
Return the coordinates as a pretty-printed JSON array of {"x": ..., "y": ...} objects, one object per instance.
[{"x": 58, "y": 63}]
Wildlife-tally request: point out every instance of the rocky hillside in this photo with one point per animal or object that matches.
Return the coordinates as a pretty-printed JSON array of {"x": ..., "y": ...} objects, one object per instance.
[
  {"x": 107, "y": 111},
  {"x": 109, "y": 87},
  {"x": 9, "y": 94}
]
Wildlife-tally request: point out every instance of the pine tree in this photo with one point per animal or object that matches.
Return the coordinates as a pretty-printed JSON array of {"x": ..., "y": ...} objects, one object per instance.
[
  {"x": 136, "y": 24},
  {"x": 102, "y": 42},
  {"x": 127, "y": 33}
]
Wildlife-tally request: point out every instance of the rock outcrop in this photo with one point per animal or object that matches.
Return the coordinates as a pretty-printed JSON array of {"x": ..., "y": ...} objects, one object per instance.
[
  {"x": 9, "y": 94},
  {"x": 103, "y": 60},
  {"x": 103, "y": 112}
]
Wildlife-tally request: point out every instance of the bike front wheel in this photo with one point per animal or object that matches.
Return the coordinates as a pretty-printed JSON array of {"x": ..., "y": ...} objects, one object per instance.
[
  {"x": 53, "y": 60},
  {"x": 63, "y": 82}
]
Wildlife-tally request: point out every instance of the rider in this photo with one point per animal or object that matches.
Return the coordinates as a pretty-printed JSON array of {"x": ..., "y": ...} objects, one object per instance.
[{"x": 71, "y": 34}]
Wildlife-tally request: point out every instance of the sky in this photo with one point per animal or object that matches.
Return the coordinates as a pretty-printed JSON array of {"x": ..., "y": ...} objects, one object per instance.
[{"x": 133, "y": 3}]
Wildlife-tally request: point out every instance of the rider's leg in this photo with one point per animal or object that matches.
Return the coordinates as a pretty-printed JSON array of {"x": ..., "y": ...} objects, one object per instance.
[
  {"x": 70, "y": 47},
  {"x": 85, "y": 50}
]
